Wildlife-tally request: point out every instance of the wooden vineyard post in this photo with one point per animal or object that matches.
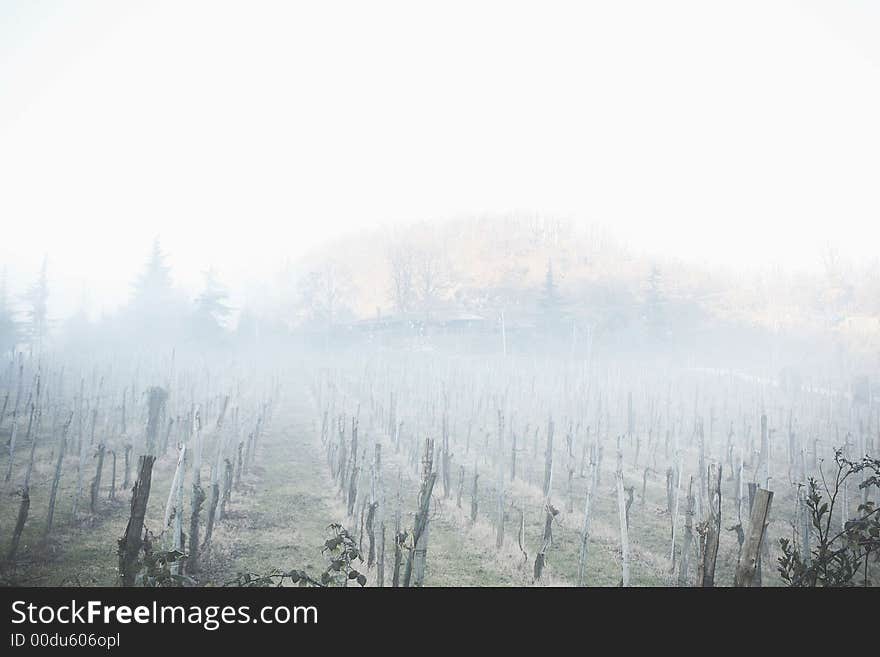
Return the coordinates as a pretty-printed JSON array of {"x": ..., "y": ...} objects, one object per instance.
[
  {"x": 674, "y": 514},
  {"x": 53, "y": 494},
  {"x": 739, "y": 489},
  {"x": 213, "y": 501},
  {"x": 96, "y": 482},
  {"x": 167, "y": 436},
  {"x": 198, "y": 495},
  {"x": 30, "y": 467},
  {"x": 378, "y": 500},
  {"x": 198, "y": 498},
  {"x": 355, "y": 469},
  {"x": 214, "y": 486},
  {"x": 546, "y": 541},
  {"x": 748, "y": 566},
  {"x": 521, "y": 535},
  {"x": 713, "y": 529},
  {"x": 585, "y": 536},
  {"x": 512, "y": 456},
  {"x": 688, "y": 535},
  {"x": 82, "y": 449},
  {"x": 380, "y": 563},
  {"x": 369, "y": 522},
  {"x": 474, "y": 499},
  {"x": 446, "y": 458},
  {"x": 395, "y": 578},
  {"x": 20, "y": 521},
  {"x": 25, "y": 505},
  {"x": 764, "y": 458},
  {"x": 703, "y": 484},
  {"x": 415, "y": 565},
  {"x": 112, "y": 494},
  {"x": 753, "y": 489},
  {"x": 238, "y": 465},
  {"x": 126, "y": 480},
  {"x": 132, "y": 540},
  {"x": 177, "y": 541},
  {"x": 645, "y": 474},
  {"x": 12, "y": 444},
  {"x": 624, "y": 532},
  {"x": 227, "y": 490},
  {"x": 174, "y": 505},
  {"x": 548, "y": 460},
  {"x": 31, "y": 403},
  {"x": 499, "y": 524},
  {"x": 156, "y": 401},
  {"x": 372, "y": 505}
]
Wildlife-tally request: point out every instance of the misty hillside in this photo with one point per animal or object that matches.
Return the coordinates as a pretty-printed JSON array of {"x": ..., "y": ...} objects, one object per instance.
[
  {"x": 568, "y": 285},
  {"x": 505, "y": 264}
]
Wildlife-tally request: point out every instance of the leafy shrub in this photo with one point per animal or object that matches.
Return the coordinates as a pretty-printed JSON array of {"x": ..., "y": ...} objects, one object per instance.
[{"x": 840, "y": 558}]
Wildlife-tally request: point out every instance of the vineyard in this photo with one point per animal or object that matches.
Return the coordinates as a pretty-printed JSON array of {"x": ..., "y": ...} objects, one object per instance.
[{"x": 398, "y": 468}]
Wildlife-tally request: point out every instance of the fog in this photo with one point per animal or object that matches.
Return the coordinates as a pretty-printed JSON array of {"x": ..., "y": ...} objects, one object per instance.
[
  {"x": 243, "y": 138},
  {"x": 235, "y": 240}
]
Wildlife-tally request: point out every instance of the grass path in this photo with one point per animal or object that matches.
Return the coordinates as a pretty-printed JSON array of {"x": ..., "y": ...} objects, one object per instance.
[{"x": 281, "y": 522}]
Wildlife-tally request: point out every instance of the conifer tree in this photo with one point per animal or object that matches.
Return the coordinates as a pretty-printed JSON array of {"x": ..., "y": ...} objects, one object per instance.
[
  {"x": 211, "y": 309},
  {"x": 8, "y": 326},
  {"x": 38, "y": 308}
]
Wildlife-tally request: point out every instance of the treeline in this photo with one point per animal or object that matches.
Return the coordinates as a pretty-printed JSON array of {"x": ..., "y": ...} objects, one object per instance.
[
  {"x": 156, "y": 312},
  {"x": 488, "y": 265},
  {"x": 572, "y": 286},
  {"x": 420, "y": 281}
]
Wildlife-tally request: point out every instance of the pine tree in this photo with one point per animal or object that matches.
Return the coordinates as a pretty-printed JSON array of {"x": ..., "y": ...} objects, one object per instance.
[
  {"x": 654, "y": 315},
  {"x": 156, "y": 312},
  {"x": 78, "y": 330},
  {"x": 211, "y": 309},
  {"x": 248, "y": 326},
  {"x": 152, "y": 287},
  {"x": 550, "y": 301},
  {"x": 8, "y": 326},
  {"x": 38, "y": 309}
]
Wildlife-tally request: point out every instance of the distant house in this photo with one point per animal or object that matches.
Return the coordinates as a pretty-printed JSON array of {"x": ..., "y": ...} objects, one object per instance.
[
  {"x": 446, "y": 320},
  {"x": 860, "y": 325},
  {"x": 861, "y": 333}
]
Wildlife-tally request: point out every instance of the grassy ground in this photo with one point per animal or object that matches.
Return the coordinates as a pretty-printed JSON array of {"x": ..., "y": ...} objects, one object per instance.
[{"x": 279, "y": 518}]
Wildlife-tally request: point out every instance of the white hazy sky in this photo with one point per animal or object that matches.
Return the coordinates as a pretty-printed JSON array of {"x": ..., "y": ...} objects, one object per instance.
[{"x": 243, "y": 133}]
